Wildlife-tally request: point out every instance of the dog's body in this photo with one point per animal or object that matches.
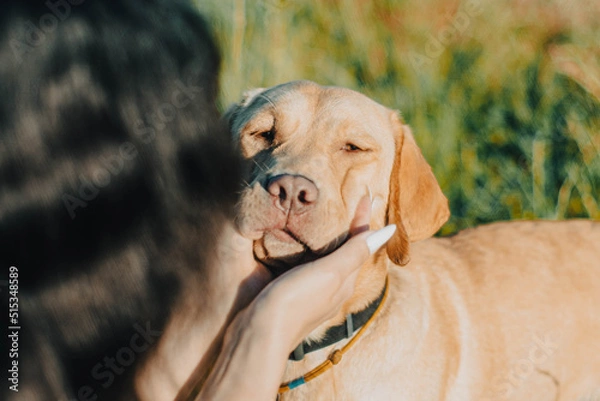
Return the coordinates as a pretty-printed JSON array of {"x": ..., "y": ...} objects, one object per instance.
[
  {"x": 507, "y": 311},
  {"x": 493, "y": 313}
]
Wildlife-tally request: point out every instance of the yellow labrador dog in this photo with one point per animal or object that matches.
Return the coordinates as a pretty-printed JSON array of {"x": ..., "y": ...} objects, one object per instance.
[{"x": 508, "y": 311}]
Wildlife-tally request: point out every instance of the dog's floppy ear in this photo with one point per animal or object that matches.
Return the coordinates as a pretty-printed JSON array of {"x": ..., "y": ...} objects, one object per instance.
[
  {"x": 416, "y": 203},
  {"x": 232, "y": 112}
]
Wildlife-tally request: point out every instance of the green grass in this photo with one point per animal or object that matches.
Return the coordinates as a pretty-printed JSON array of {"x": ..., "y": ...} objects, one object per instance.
[{"x": 503, "y": 97}]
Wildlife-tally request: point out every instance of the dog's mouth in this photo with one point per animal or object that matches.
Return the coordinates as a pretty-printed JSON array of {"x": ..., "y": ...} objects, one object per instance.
[
  {"x": 278, "y": 266},
  {"x": 281, "y": 250},
  {"x": 285, "y": 235}
]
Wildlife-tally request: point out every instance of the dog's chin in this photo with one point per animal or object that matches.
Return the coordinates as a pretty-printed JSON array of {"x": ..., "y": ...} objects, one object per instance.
[{"x": 279, "y": 252}]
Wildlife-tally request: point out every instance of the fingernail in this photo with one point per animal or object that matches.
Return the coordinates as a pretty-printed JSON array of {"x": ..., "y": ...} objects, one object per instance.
[
  {"x": 380, "y": 237},
  {"x": 371, "y": 197}
]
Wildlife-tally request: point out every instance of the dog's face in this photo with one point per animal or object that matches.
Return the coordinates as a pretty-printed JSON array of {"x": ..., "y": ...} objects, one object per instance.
[{"x": 314, "y": 152}]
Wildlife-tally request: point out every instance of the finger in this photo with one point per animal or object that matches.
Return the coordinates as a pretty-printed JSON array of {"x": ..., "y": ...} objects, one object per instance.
[
  {"x": 347, "y": 258},
  {"x": 374, "y": 241},
  {"x": 329, "y": 273},
  {"x": 353, "y": 251},
  {"x": 346, "y": 289},
  {"x": 362, "y": 216}
]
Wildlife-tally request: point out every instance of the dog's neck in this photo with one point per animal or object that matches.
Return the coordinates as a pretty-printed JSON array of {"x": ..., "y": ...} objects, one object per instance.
[
  {"x": 352, "y": 326},
  {"x": 331, "y": 341}
]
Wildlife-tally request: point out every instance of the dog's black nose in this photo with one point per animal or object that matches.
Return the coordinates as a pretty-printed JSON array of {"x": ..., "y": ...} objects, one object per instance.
[{"x": 293, "y": 192}]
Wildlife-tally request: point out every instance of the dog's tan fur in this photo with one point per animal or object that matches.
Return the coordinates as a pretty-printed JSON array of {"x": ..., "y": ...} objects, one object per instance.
[{"x": 508, "y": 311}]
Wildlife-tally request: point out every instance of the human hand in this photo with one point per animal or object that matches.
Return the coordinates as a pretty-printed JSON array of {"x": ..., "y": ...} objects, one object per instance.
[
  {"x": 260, "y": 338},
  {"x": 307, "y": 296}
]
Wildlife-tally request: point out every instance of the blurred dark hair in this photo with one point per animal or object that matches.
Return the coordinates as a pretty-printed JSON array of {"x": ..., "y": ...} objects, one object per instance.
[{"x": 115, "y": 177}]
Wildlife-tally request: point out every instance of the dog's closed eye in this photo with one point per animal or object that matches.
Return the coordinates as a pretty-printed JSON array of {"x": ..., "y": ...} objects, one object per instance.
[
  {"x": 268, "y": 136},
  {"x": 259, "y": 140},
  {"x": 352, "y": 148}
]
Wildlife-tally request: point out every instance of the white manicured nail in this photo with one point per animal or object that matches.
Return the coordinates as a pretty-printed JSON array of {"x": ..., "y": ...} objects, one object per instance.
[
  {"x": 371, "y": 197},
  {"x": 380, "y": 237}
]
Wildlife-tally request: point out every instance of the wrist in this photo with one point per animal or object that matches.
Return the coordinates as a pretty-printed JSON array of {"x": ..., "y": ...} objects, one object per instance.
[
  {"x": 256, "y": 346},
  {"x": 261, "y": 322}
]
